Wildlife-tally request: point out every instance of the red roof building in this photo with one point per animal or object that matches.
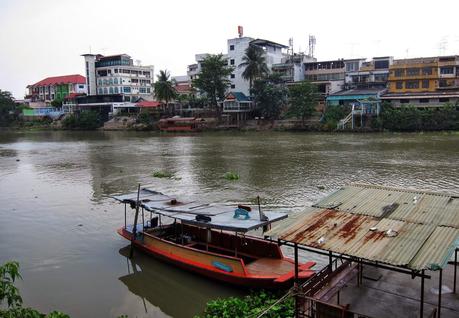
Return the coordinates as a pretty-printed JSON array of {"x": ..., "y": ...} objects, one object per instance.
[
  {"x": 148, "y": 104},
  {"x": 57, "y": 88}
]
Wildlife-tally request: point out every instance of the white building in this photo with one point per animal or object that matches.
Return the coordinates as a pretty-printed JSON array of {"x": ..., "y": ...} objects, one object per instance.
[
  {"x": 117, "y": 74},
  {"x": 236, "y": 50}
]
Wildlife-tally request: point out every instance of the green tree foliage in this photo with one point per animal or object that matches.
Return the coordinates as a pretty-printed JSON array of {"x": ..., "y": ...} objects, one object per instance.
[
  {"x": 7, "y": 108},
  {"x": 412, "y": 118},
  {"x": 213, "y": 79},
  {"x": 9, "y": 273},
  {"x": 57, "y": 102},
  {"x": 303, "y": 99},
  {"x": 164, "y": 88},
  {"x": 333, "y": 114},
  {"x": 254, "y": 63},
  {"x": 88, "y": 120},
  {"x": 249, "y": 306},
  {"x": 270, "y": 96}
]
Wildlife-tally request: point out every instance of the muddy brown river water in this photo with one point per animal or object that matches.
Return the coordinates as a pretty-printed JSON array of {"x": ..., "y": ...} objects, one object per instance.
[{"x": 57, "y": 220}]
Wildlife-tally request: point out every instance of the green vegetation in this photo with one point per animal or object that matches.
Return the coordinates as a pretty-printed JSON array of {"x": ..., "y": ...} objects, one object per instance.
[
  {"x": 164, "y": 89},
  {"x": 57, "y": 102},
  {"x": 7, "y": 108},
  {"x": 231, "y": 176},
  {"x": 270, "y": 96},
  {"x": 9, "y": 272},
  {"x": 411, "y": 118},
  {"x": 250, "y": 306},
  {"x": 303, "y": 99},
  {"x": 332, "y": 116},
  {"x": 213, "y": 80},
  {"x": 88, "y": 120},
  {"x": 254, "y": 63},
  {"x": 162, "y": 174}
]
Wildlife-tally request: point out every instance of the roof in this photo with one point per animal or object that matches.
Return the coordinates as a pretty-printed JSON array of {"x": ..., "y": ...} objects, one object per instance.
[
  {"x": 148, "y": 104},
  {"x": 401, "y": 227},
  {"x": 66, "y": 79},
  {"x": 359, "y": 91},
  {"x": 180, "y": 88},
  {"x": 222, "y": 216},
  {"x": 239, "y": 96},
  {"x": 267, "y": 42},
  {"x": 437, "y": 94}
]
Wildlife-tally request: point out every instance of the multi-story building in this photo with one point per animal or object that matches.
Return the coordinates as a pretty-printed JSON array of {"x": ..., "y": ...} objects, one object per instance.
[
  {"x": 367, "y": 74},
  {"x": 55, "y": 88},
  {"x": 291, "y": 69},
  {"x": 427, "y": 81},
  {"x": 236, "y": 51},
  {"x": 117, "y": 74}
]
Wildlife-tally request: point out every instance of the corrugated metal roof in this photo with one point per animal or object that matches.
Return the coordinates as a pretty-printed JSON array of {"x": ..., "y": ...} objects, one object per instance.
[{"x": 401, "y": 227}]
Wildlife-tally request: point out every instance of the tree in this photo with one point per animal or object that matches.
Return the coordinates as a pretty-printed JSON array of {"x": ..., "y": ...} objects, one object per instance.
[
  {"x": 270, "y": 95},
  {"x": 213, "y": 79},
  {"x": 303, "y": 99},
  {"x": 7, "y": 107},
  {"x": 254, "y": 62},
  {"x": 164, "y": 89},
  {"x": 57, "y": 102}
]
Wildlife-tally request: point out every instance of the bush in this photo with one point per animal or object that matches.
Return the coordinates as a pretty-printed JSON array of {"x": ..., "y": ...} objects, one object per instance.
[
  {"x": 85, "y": 121},
  {"x": 333, "y": 114},
  {"x": 250, "y": 306}
]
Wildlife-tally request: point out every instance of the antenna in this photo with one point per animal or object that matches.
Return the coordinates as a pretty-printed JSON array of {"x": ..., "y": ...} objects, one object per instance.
[
  {"x": 312, "y": 45},
  {"x": 290, "y": 48}
]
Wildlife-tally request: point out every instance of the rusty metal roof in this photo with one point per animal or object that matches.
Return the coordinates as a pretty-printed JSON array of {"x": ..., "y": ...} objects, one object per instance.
[{"x": 407, "y": 228}]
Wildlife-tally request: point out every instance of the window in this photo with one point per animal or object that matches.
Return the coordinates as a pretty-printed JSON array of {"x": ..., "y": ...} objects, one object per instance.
[
  {"x": 110, "y": 81},
  {"x": 399, "y": 73},
  {"x": 404, "y": 101},
  {"x": 231, "y": 47},
  {"x": 134, "y": 80},
  {"x": 102, "y": 72},
  {"x": 116, "y": 70},
  {"x": 233, "y": 76},
  {"x": 80, "y": 86},
  {"x": 115, "y": 81},
  {"x": 148, "y": 90},
  {"x": 232, "y": 62},
  {"x": 352, "y": 66},
  {"x": 100, "y": 91},
  {"x": 447, "y": 70},
  {"x": 412, "y": 71},
  {"x": 105, "y": 91},
  {"x": 99, "y": 82},
  {"x": 426, "y": 71},
  {"x": 111, "y": 90},
  {"x": 116, "y": 90},
  {"x": 412, "y": 84},
  {"x": 126, "y": 89},
  {"x": 423, "y": 100},
  {"x": 425, "y": 83},
  {"x": 381, "y": 64},
  {"x": 443, "y": 100},
  {"x": 142, "y": 90},
  {"x": 399, "y": 85},
  {"x": 233, "y": 86}
]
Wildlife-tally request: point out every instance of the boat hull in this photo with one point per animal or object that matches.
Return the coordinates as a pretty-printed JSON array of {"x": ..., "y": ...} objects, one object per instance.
[{"x": 201, "y": 262}]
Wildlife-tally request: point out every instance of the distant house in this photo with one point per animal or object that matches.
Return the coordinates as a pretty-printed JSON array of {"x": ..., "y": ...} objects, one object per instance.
[
  {"x": 58, "y": 87},
  {"x": 237, "y": 107}
]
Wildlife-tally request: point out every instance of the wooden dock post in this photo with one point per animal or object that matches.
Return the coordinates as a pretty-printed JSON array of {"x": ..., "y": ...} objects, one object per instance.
[
  {"x": 421, "y": 310},
  {"x": 134, "y": 229}
]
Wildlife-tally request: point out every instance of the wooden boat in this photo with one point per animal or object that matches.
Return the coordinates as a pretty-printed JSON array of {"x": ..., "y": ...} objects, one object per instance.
[{"x": 211, "y": 240}]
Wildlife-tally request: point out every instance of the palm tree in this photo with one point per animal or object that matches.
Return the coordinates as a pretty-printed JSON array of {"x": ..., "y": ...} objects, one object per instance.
[
  {"x": 164, "y": 88},
  {"x": 254, "y": 62}
]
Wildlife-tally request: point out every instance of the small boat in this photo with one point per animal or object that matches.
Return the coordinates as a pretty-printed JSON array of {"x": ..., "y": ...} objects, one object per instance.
[{"x": 210, "y": 239}]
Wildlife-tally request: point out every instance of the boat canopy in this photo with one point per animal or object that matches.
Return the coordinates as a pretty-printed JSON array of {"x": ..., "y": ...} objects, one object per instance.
[{"x": 208, "y": 215}]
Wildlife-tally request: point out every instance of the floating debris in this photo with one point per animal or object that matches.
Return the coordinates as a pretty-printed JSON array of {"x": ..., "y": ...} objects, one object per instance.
[
  {"x": 162, "y": 174},
  {"x": 231, "y": 175}
]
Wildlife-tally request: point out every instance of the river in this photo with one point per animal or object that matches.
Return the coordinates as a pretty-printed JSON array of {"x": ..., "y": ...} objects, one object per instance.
[{"x": 58, "y": 221}]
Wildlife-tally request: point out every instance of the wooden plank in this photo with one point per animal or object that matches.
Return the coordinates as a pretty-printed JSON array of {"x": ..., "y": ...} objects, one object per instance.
[{"x": 269, "y": 266}]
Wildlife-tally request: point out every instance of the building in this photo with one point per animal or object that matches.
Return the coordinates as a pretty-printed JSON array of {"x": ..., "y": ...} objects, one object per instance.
[
  {"x": 236, "y": 108},
  {"x": 367, "y": 74},
  {"x": 236, "y": 52},
  {"x": 117, "y": 74},
  {"x": 424, "y": 82},
  {"x": 182, "y": 84},
  {"x": 55, "y": 88},
  {"x": 292, "y": 69}
]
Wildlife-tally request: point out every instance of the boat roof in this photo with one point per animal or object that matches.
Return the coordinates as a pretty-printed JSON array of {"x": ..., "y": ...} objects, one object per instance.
[{"x": 221, "y": 215}]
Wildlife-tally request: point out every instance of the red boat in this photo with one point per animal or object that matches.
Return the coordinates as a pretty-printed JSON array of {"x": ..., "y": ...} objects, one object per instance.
[{"x": 211, "y": 240}]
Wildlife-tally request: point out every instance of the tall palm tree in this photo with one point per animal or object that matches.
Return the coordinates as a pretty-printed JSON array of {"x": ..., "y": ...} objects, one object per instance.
[
  {"x": 254, "y": 62},
  {"x": 164, "y": 88}
]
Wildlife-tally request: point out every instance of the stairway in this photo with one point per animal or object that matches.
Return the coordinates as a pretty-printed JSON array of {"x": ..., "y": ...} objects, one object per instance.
[{"x": 343, "y": 122}]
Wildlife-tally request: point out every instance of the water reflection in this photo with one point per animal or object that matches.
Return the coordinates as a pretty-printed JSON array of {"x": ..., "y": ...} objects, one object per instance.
[{"x": 174, "y": 292}]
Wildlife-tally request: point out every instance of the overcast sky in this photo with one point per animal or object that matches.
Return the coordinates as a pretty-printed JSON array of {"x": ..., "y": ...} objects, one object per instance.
[{"x": 41, "y": 38}]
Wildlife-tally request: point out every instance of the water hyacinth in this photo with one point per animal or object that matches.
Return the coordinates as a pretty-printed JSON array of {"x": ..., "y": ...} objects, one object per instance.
[
  {"x": 162, "y": 174},
  {"x": 231, "y": 175}
]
